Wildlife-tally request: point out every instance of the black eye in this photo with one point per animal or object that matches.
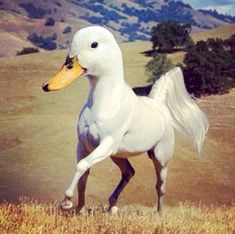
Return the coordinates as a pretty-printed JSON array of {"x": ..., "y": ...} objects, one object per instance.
[{"x": 94, "y": 45}]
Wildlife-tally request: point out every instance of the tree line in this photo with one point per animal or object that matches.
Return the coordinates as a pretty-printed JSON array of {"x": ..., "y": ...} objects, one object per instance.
[{"x": 208, "y": 66}]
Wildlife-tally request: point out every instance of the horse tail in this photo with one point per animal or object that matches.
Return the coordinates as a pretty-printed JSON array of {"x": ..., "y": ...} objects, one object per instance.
[{"x": 188, "y": 118}]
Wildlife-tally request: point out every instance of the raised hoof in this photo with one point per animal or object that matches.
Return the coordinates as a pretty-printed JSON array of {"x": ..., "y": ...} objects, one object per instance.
[
  {"x": 66, "y": 204},
  {"x": 113, "y": 210}
]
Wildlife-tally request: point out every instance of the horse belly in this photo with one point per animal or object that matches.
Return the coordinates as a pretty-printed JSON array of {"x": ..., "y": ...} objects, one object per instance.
[
  {"x": 147, "y": 128},
  {"x": 142, "y": 139}
]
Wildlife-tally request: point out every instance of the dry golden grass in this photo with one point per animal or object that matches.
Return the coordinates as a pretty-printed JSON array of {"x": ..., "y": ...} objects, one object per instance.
[
  {"x": 220, "y": 32},
  {"x": 31, "y": 217}
]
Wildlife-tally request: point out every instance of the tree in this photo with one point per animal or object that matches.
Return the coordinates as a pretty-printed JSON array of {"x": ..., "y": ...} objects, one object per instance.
[
  {"x": 33, "y": 11},
  {"x": 169, "y": 35},
  {"x": 66, "y": 30},
  {"x": 28, "y": 50},
  {"x": 209, "y": 67},
  {"x": 47, "y": 43},
  {"x": 157, "y": 66},
  {"x": 50, "y": 22}
]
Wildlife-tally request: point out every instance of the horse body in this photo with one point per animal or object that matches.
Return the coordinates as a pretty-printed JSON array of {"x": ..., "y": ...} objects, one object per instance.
[{"x": 137, "y": 123}]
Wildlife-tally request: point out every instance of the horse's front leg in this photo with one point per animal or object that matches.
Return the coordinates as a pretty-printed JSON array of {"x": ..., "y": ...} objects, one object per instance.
[
  {"x": 104, "y": 150},
  {"x": 81, "y": 186},
  {"x": 81, "y": 153}
]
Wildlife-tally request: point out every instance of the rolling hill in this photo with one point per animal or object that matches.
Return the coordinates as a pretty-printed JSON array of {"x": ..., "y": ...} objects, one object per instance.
[
  {"x": 129, "y": 20},
  {"x": 38, "y": 139}
]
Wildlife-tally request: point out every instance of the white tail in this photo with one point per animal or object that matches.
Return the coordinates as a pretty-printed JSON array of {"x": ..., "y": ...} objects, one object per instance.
[{"x": 188, "y": 119}]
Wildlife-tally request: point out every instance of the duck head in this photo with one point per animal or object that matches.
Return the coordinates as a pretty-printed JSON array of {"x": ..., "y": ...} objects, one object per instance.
[{"x": 93, "y": 53}]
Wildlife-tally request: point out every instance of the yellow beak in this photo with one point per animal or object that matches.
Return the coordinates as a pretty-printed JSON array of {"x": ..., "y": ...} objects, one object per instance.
[{"x": 68, "y": 73}]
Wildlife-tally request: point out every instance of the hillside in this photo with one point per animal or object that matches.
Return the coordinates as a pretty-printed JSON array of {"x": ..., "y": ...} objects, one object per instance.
[
  {"x": 220, "y": 32},
  {"x": 129, "y": 20},
  {"x": 38, "y": 140}
]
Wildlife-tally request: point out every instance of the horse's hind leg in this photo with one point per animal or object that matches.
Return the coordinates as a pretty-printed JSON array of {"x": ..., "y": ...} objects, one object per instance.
[
  {"x": 161, "y": 172},
  {"x": 81, "y": 191},
  {"x": 160, "y": 160},
  {"x": 127, "y": 172}
]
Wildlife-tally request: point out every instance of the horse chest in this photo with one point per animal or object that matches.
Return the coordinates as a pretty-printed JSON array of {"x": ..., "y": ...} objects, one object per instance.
[{"x": 92, "y": 127}]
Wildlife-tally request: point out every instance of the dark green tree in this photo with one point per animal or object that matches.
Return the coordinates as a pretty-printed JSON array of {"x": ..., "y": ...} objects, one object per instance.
[
  {"x": 215, "y": 44},
  {"x": 231, "y": 43},
  {"x": 66, "y": 30},
  {"x": 170, "y": 35},
  {"x": 28, "y": 50},
  {"x": 209, "y": 67},
  {"x": 50, "y": 22}
]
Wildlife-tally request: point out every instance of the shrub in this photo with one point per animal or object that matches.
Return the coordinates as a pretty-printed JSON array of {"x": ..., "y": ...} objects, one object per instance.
[
  {"x": 33, "y": 12},
  {"x": 58, "y": 4},
  {"x": 28, "y": 50},
  {"x": 43, "y": 42},
  {"x": 68, "y": 29},
  {"x": 157, "y": 66},
  {"x": 50, "y": 22}
]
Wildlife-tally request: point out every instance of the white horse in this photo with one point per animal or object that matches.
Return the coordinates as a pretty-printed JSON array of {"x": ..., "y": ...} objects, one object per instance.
[{"x": 117, "y": 123}]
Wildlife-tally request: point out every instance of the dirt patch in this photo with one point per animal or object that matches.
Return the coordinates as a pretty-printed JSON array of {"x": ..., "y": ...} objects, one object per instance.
[{"x": 7, "y": 142}]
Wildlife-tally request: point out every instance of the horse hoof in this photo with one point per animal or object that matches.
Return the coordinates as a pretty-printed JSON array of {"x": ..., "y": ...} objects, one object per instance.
[
  {"x": 66, "y": 204},
  {"x": 113, "y": 210}
]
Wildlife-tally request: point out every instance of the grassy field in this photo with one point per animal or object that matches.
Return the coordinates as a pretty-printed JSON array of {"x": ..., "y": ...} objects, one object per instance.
[
  {"x": 30, "y": 217},
  {"x": 37, "y": 157}
]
